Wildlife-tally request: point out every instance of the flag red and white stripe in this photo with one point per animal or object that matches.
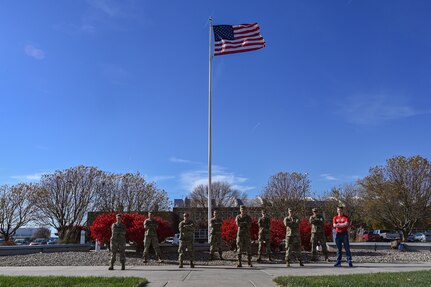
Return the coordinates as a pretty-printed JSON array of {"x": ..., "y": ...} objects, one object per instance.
[{"x": 230, "y": 39}]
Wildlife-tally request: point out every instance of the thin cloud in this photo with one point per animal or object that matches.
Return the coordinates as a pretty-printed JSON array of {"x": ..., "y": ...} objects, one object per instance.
[
  {"x": 190, "y": 179},
  {"x": 180, "y": 160},
  {"x": 159, "y": 178},
  {"x": 256, "y": 126},
  {"x": 376, "y": 109},
  {"x": 29, "y": 177},
  {"x": 34, "y": 52},
  {"x": 109, "y": 7},
  {"x": 328, "y": 176}
]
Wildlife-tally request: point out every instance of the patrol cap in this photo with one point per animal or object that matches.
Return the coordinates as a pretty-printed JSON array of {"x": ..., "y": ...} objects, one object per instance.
[
  {"x": 315, "y": 209},
  {"x": 242, "y": 207},
  {"x": 290, "y": 209}
]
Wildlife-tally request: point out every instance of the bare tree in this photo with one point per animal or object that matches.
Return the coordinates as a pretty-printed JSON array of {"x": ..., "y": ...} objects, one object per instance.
[
  {"x": 17, "y": 209},
  {"x": 66, "y": 197},
  {"x": 399, "y": 194},
  {"x": 42, "y": 232},
  {"x": 285, "y": 190},
  {"x": 129, "y": 193},
  {"x": 221, "y": 192},
  {"x": 350, "y": 197}
]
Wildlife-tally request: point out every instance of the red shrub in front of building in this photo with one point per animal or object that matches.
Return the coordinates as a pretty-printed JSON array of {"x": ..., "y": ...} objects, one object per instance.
[{"x": 135, "y": 231}]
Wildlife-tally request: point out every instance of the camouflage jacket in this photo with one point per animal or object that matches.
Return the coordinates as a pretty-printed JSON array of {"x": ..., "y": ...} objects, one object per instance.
[
  {"x": 150, "y": 226},
  {"x": 215, "y": 224},
  {"x": 244, "y": 225},
  {"x": 292, "y": 226},
  {"x": 317, "y": 224},
  {"x": 264, "y": 225},
  {"x": 118, "y": 232},
  {"x": 187, "y": 230}
]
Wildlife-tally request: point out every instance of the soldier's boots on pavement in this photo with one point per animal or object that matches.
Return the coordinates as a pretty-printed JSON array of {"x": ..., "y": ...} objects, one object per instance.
[
  {"x": 159, "y": 259},
  {"x": 239, "y": 261},
  {"x": 249, "y": 262},
  {"x": 111, "y": 267},
  {"x": 123, "y": 266},
  {"x": 220, "y": 254},
  {"x": 181, "y": 264},
  {"x": 192, "y": 265}
]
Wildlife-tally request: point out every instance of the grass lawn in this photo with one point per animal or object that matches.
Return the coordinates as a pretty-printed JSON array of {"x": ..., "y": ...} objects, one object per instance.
[
  {"x": 414, "y": 279},
  {"x": 63, "y": 281}
]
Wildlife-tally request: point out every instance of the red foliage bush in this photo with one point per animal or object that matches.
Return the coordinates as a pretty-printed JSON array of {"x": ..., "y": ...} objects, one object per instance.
[
  {"x": 277, "y": 232},
  {"x": 135, "y": 231},
  {"x": 228, "y": 232}
]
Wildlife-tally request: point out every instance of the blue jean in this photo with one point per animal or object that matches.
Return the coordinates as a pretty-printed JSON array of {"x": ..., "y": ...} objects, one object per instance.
[{"x": 342, "y": 238}]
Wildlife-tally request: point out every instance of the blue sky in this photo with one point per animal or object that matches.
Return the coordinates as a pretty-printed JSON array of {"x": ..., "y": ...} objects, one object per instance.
[{"x": 123, "y": 85}]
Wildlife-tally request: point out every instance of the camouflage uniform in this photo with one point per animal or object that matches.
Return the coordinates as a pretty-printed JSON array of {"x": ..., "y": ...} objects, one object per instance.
[
  {"x": 243, "y": 237},
  {"x": 187, "y": 228},
  {"x": 151, "y": 238},
  {"x": 293, "y": 240},
  {"x": 264, "y": 236},
  {"x": 118, "y": 244},
  {"x": 215, "y": 240},
  {"x": 318, "y": 234}
]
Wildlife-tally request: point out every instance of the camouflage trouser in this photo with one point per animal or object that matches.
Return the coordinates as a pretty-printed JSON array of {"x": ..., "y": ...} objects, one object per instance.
[
  {"x": 243, "y": 245},
  {"x": 151, "y": 240},
  {"x": 185, "y": 245},
  {"x": 215, "y": 243},
  {"x": 264, "y": 238},
  {"x": 315, "y": 238},
  {"x": 120, "y": 247},
  {"x": 293, "y": 247}
]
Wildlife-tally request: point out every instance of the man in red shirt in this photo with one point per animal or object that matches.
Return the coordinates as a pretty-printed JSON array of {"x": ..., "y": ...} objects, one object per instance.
[{"x": 341, "y": 224}]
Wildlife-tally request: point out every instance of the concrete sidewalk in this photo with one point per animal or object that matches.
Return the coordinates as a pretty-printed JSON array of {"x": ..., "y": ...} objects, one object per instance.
[{"x": 215, "y": 276}]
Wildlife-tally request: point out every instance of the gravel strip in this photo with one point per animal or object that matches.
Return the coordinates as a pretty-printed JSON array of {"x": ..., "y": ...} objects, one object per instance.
[{"x": 201, "y": 258}]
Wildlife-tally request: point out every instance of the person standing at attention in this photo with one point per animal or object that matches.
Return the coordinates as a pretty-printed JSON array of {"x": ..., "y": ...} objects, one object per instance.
[{"x": 151, "y": 225}]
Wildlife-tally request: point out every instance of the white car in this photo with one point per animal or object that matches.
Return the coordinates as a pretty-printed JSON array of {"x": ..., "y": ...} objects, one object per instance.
[
  {"x": 419, "y": 236},
  {"x": 174, "y": 240}
]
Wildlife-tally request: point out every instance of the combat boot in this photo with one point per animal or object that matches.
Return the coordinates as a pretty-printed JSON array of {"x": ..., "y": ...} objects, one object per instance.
[
  {"x": 300, "y": 263},
  {"x": 181, "y": 264},
  {"x": 287, "y": 263},
  {"x": 239, "y": 261},
  {"x": 259, "y": 258},
  {"x": 220, "y": 254},
  {"x": 123, "y": 266},
  {"x": 269, "y": 257},
  {"x": 145, "y": 258},
  {"x": 249, "y": 262},
  {"x": 111, "y": 267},
  {"x": 192, "y": 265}
]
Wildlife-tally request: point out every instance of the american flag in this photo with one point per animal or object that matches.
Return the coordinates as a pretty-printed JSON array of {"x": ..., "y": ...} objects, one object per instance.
[{"x": 229, "y": 39}]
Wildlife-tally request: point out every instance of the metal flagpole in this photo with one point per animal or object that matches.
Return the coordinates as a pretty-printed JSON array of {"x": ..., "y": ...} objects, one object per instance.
[{"x": 209, "y": 125}]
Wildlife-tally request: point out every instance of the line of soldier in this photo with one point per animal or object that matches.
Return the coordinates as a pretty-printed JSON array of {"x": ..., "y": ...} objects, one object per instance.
[{"x": 243, "y": 221}]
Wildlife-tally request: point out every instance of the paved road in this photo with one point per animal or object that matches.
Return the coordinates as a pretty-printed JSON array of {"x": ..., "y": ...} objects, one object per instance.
[{"x": 214, "y": 276}]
